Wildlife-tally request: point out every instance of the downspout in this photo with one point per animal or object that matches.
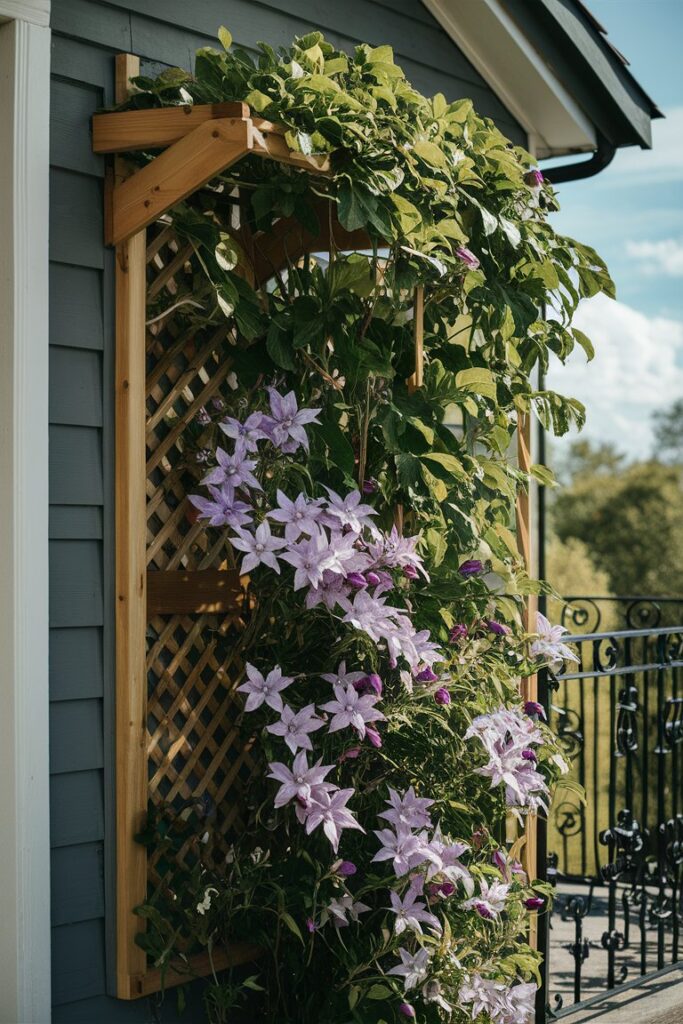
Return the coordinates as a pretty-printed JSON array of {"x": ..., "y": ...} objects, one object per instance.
[{"x": 600, "y": 159}]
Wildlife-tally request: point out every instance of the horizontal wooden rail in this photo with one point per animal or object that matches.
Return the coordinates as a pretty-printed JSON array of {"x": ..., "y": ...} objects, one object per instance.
[
  {"x": 198, "y": 966},
  {"x": 193, "y": 593},
  {"x": 127, "y": 130}
]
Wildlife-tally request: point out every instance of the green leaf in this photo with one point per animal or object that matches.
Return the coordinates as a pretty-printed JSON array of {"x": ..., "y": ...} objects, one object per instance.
[
  {"x": 279, "y": 346},
  {"x": 584, "y": 341},
  {"x": 430, "y": 153},
  {"x": 258, "y": 100},
  {"x": 289, "y": 921},
  {"x": 340, "y": 451},
  {"x": 352, "y": 213},
  {"x": 224, "y": 37},
  {"x": 450, "y": 463},
  {"x": 353, "y": 274},
  {"x": 380, "y": 992},
  {"x": 477, "y": 380},
  {"x": 408, "y": 216}
]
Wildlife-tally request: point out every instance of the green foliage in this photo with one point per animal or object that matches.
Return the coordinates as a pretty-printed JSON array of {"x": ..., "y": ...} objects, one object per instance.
[
  {"x": 630, "y": 517},
  {"x": 444, "y": 199},
  {"x": 669, "y": 433}
]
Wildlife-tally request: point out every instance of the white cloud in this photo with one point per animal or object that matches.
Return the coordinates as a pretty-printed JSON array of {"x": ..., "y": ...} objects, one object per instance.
[
  {"x": 664, "y": 162},
  {"x": 663, "y": 257},
  {"x": 637, "y": 370}
]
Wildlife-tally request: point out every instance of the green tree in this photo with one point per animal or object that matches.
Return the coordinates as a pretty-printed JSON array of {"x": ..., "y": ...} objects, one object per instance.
[
  {"x": 668, "y": 431},
  {"x": 630, "y": 519}
]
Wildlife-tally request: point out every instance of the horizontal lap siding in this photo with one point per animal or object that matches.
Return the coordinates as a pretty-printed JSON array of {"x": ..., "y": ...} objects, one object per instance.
[{"x": 86, "y": 35}]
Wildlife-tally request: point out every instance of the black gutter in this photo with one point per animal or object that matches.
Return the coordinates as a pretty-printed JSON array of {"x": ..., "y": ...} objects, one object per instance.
[{"x": 600, "y": 159}]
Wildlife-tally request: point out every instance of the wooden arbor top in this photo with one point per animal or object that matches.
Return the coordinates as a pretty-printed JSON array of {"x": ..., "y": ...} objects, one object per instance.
[{"x": 199, "y": 143}]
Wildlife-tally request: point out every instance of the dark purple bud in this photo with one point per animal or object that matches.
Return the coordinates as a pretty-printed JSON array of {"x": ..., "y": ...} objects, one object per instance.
[
  {"x": 386, "y": 580},
  {"x": 346, "y": 869},
  {"x": 434, "y": 889},
  {"x": 374, "y": 737},
  {"x": 499, "y": 628},
  {"x": 369, "y": 486},
  {"x": 534, "y": 179},
  {"x": 310, "y": 925},
  {"x": 218, "y": 404},
  {"x": 349, "y": 755},
  {"x": 375, "y": 683},
  {"x": 472, "y": 567},
  {"x": 529, "y": 755},
  {"x": 442, "y": 696},
  {"x": 479, "y": 837},
  {"x": 410, "y": 572},
  {"x": 357, "y": 580},
  {"x": 458, "y": 632},
  {"x": 534, "y": 709},
  {"x": 372, "y": 578},
  {"x": 427, "y": 675},
  {"x": 483, "y": 910},
  {"x": 500, "y": 861},
  {"x": 534, "y": 903},
  {"x": 406, "y": 1010},
  {"x": 467, "y": 257},
  {"x": 446, "y": 889},
  {"x": 203, "y": 418}
]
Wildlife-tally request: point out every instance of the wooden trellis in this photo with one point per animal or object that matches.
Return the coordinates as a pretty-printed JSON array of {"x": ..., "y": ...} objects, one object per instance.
[{"x": 177, "y": 603}]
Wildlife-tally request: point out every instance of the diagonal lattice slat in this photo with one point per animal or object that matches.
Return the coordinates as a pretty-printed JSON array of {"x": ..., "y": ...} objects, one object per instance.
[{"x": 195, "y": 753}]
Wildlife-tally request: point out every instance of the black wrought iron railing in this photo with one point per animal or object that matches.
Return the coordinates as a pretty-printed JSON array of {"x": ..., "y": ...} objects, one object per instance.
[
  {"x": 616, "y": 855},
  {"x": 589, "y": 614}
]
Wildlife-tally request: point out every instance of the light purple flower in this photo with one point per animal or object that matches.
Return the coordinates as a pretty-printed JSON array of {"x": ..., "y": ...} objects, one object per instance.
[
  {"x": 222, "y": 508},
  {"x": 351, "y": 710},
  {"x": 503, "y": 1004},
  {"x": 550, "y": 644},
  {"x": 395, "y": 551},
  {"x": 407, "y": 810},
  {"x": 412, "y": 912},
  {"x": 295, "y": 727},
  {"x": 260, "y": 548},
  {"x": 343, "y": 678},
  {"x": 299, "y": 516},
  {"x": 490, "y": 902},
  {"x": 348, "y": 512},
  {"x": 287, "y": 422},
  {"x": 299, "y": 782},
  {"x": 233, "y": 470},
  {"x": 333, "y": 591},
  {"x": 310, "y": 558},
  {"x": 249, "y": 432},
  {"x": 331, "y": 812},
  {"x": 413, "y": 967},
  {"x": 339, "y": 907},
  {"x": 467, "y": 257},
  {"x": 402, "y": 847},
  {"x": 260, "y": 690}
]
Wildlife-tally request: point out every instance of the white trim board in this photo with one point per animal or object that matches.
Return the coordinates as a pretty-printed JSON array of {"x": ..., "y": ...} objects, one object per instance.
[
  {"x": 24, "y": 584},
  {"x": 517, "y": 74}
]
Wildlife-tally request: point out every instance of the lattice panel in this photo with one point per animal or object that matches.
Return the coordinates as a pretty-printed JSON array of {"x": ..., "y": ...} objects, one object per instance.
[{"x": 196, "y": 756}]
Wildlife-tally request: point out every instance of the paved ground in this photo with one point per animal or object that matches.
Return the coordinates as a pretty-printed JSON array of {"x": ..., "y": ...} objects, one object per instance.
[{"x": 658, "y": 1001}]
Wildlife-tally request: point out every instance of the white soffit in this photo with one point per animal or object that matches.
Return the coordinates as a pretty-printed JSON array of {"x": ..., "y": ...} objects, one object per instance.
[{"x": 517, "y": 74}]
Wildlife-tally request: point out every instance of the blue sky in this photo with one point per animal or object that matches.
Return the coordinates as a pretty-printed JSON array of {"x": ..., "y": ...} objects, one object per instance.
[{"x": 632, "y": 213}]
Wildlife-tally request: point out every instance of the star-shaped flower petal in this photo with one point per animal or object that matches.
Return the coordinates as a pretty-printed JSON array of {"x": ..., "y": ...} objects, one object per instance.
[
  {"x": 299, "y": 782},
  {"x": 331, "y": 811},
  {"x": 294, "y": 727},
  {"x": 413, "y": 967},
  {"x": 260, "y": 690},
  {"x": 299, "y": 516},
  {"x": 350, "y": 709},
  {"x": 233, "y": 470},
  {"x": 260, "y": 548}
]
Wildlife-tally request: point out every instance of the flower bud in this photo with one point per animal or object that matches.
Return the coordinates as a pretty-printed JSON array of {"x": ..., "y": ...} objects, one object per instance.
[
  {"x": 442, "y": 696},
  {"x": 372, "y": 578},
  {"x": 499, "y": 628},
  {"x": 534, "y": 178},
  {"x": 467, "y": 257},
  {"x": 472, "y": 567},
  {"x": 534, "y": 903},
  {"x": 369, "y": 486},
  {"x": 534, "y": 709},
  {"x": 406, "y": 1010},
  {"x": 374, "y": 737},
  {"x": 410, "y": 572},
  {"x": 346, "y": 869},
  {"x": 427, "y": 675},
  {"x": 458, "y": 632},
  {"x": 357, "y": 580}
]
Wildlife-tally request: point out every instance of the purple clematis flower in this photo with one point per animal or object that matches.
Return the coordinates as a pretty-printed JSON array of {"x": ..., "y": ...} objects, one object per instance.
[
  {"x": 339, "y": 907},
  {"x": 299, "y": 516},
  {"x": 260, "y": 690},
  {"x": 295, "y": 727},
  {"x": 369, "y": 486},
  {"x": 407, "y": 811},
  {"x": 350, "y": 709},
  {"x": 287, "y": 421},
  {"x": 348, "y": 512},
  {"x": 299, "y": 782},
  {"x": 342, "y": 677},
  {"x": 467, "y": 257},
  {"x": 491, "y": 900},
  {"x": 402, "y": 847},
  {"x": 331, "y": 812},
  {"x": 260, "y": 548},
  {"x": 222, "y": 508},
  {"x": 411, "y": 912},
  {"x": 413, "y": 967},
  {"x": 249, "y": 432},
  {"x": 550, "y": 643},
  {"x": 472, "y": 567},
  {"x": 310, "y": 558},
  {"x": 233, "y": 470}
]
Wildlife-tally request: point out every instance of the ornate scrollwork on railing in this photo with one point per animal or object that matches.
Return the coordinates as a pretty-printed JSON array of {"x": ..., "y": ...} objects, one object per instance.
[
  {"x": 671, "y": 832},
  {"x": 672, "y": 717},
  {"x": 581, "y": 615},
  {"x": 569, "y": 818},
  {"x": 569, "y": 730},
  {"x": 627, "y": 724},
  {"x": 643, "y": 613},
  {"x": 626, "y": 841},
  {"x": 606, "y": 652}
]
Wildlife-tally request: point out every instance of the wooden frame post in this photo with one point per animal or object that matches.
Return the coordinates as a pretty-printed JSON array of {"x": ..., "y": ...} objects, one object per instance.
[{"x": 131, "y": 596}]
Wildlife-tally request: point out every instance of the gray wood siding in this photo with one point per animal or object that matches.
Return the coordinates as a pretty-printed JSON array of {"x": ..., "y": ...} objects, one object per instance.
[{"x": 86, "y": 35}]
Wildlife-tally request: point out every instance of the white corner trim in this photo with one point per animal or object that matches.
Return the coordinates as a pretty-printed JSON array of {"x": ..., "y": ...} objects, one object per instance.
[
  {"x": 24, "y": 586},
  {"x": 517, "y": 74},
  {"x": 36, "y": 12}
]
